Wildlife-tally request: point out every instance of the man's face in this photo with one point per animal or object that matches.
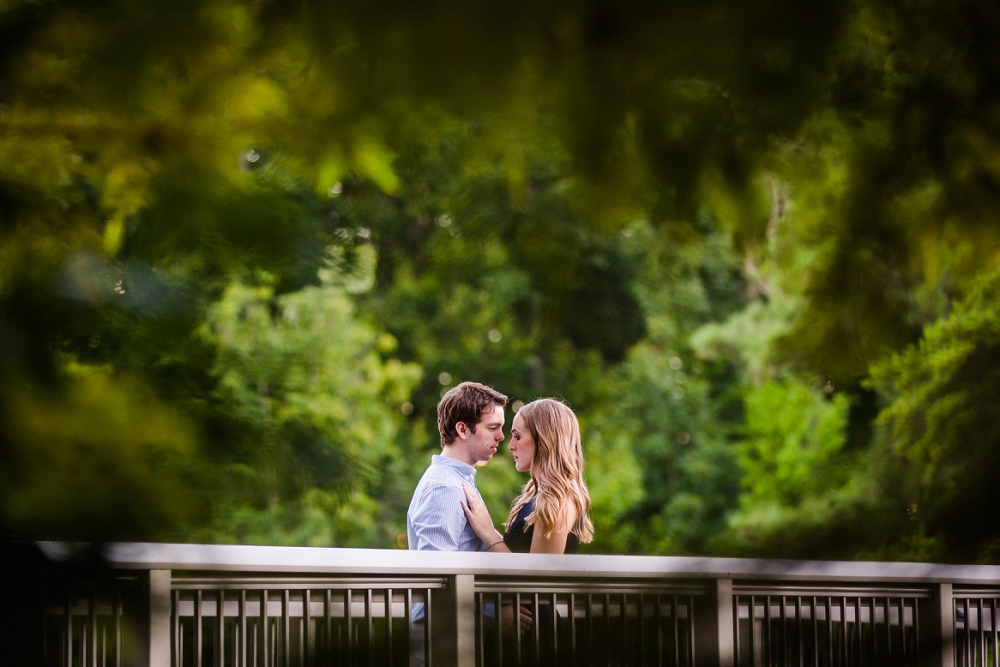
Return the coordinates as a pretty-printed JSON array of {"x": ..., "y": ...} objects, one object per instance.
[{"x": 480, "y": 445}]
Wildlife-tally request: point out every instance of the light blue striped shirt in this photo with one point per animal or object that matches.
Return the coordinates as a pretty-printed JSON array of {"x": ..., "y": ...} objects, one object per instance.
[{"x": 436, "y": 520}]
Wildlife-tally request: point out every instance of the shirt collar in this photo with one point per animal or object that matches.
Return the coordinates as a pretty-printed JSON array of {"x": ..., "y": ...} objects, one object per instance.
[{"x": 461, "y": 467}]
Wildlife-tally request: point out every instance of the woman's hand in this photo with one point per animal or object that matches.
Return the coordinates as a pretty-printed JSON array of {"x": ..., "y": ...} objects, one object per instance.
[{"x": 479, "y": 518}]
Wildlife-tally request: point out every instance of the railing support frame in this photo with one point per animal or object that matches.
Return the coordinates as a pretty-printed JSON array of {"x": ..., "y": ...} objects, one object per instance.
[
  {"x": 454, "y": 609},
  {"x": 156, "y": 652},
  {"x": 714, "y": 629},
  {"x": 938, "y": 646}
]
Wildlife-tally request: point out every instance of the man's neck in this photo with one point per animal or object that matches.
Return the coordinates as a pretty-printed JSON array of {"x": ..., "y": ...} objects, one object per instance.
[{"x": 457, "y": 452}]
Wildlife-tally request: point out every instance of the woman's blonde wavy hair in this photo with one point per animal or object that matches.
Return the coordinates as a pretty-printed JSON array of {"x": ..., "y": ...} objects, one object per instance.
[{"x": 557, "y": 469}]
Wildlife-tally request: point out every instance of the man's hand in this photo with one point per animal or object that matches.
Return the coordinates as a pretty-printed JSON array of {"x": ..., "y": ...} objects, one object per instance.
[{"x": 507, "y": 619}]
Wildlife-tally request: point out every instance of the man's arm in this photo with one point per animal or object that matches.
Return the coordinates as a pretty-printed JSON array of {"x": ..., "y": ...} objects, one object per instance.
[{"x": 439, "y": 521}]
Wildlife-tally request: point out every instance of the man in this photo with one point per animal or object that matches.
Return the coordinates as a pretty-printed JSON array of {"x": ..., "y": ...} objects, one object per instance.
[{"x": 470, "y": 421}]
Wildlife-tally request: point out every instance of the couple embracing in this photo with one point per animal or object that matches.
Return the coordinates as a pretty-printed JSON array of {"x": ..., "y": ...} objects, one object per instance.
[{"x": 447, "y": 512}]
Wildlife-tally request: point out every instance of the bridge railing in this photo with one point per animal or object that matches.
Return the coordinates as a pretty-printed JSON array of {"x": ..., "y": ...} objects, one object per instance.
[{"x": 173, "y": 605}]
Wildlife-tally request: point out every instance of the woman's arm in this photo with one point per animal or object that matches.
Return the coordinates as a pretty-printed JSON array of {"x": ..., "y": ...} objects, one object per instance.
[{"x": 481, "y": 522}]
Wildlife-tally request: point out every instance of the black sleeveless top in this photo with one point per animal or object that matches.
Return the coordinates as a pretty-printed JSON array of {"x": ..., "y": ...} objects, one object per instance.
[{"x": 518, "y": 539}]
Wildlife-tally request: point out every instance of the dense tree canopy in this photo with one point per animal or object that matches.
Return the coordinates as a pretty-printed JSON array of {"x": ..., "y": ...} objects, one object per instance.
[{"x": 244, "y": 247}]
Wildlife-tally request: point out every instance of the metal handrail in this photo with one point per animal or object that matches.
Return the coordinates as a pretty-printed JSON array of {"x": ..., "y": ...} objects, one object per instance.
[
  {"x": 262, "y": 606},
  {"x": 397, "y": 563}
]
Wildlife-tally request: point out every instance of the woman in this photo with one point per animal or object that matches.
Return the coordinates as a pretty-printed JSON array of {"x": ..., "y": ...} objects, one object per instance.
[{"x": 550, "y": 515}]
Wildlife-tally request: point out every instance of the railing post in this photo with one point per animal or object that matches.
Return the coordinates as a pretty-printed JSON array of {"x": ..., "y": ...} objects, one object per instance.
[
  {"x": 937, "y": 647},
  {"x": 453, "y": 634},
  {"x": 157, "y": 648},
  {"x": 714, "y": 627}
]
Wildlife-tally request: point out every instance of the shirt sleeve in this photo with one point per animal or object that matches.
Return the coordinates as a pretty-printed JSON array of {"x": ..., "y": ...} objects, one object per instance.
[{"x": 439, "y": 524}]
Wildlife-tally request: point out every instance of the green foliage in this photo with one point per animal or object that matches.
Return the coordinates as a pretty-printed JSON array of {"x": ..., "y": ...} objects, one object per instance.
[
  {"x": 944, "y": 420},
  {"x": 793, "y": 434},
  {"x": 73, "y": 453},
  {"x": 244, "y": 247},
  {"x": 313, "y": 403}
]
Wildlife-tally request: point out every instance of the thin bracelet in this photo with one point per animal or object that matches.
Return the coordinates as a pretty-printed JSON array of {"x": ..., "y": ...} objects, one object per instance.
[{"x": 494, "y": 544}]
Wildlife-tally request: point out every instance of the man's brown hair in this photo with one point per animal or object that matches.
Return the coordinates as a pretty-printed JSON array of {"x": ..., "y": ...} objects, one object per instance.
[{"x": 465, "y": 403}]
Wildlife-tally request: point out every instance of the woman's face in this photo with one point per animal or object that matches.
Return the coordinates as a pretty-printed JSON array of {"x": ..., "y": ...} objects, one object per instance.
[{"x": 521, "y": 445}]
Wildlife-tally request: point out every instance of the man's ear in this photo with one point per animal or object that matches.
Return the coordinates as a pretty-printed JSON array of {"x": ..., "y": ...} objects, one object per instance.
[{"x": 463, "y": 430}]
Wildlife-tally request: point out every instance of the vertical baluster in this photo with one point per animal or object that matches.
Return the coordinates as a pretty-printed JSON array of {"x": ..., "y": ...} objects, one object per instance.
[
  {"x": 916, "y": 633},
  {"x": 993, "y": 628},
  {"x": 197, "y": 629},
  {"x": 265, "y": 649},
  {"x": 118, "y": 627},
  {"x": 798, "y": 626},
  {"x": 982, "y": 634},
  {"x": 641, "y": 614},
  {"x": 607, "y": 629},
  {"x": 843, "y": 630},
  {"x": 104, "y": 645},
  {"x": 68, "y": 634},
  {"x": 690, "y": 625},
  {"x": 92, "y": 627},
  {"x": 815, "y": 619},
  {"x": 829, "y": 631},
  {"x": 784, "y": 630},
  {"x": 874, "y": 632},
  {"x": 428, "y": 630},
  {"x": 481, "y": 629},
  {"x": 973, "y": 638},
  {"x": 300, "y": 623},
  {"x": 308, "y": 638},
  {"x": 888, "y": 631},
  {"x": 767, "y": 649},
  {"x": 517, "y": 616},
  {"x": 902, "y": 629},
  {"x": 83, "y": 642},
  {"x": 328, "y": 652},
  {"x": 979, "y": 654},
  {"x": 220, "y": 631},
  {"x": 659, "y": 631},
  {"x": 241, "y": 647},
  {"x": 388, "y": 623},
  {"x": 286, "y": 628},
  {"x": 175, "y": 623},
  {"x": 958, "y": 640},
  {"x": 517, "y": 628},
  {"x": 861, "y": 635},
  {"x": 624, "y": 628},
  {"x": 572, "y": 629},
  {"x": 407, "y": 620},
  {"x": 555, "y": 628},
  {"x": 537, "y": 627},
  {"x": 590, "y": 629},
  {"x": 623, "y": 633},
  {"x": 677, "y": 644},
  {"x": 370, "y": 622},
  {"x": 348, "y": 614},
  {"x": 968, "y": 633},
  {"x": 736, "y": 629}
]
